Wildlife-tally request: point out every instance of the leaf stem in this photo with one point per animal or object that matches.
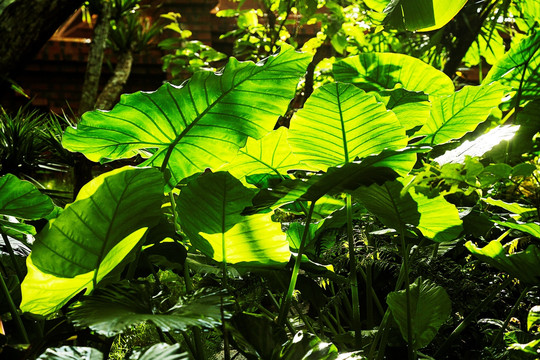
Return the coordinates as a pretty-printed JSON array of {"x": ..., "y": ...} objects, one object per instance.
[
  {"x": 197, "y": 336},
  {"x": 286, "y": 304},
  {"x": 13, "y": 310},
  {"x": 357, "y": 326},
  {"x": 13, "y": 258},
  {"x": 405, "y": 255},
  {"x": 500, "y": 333}
]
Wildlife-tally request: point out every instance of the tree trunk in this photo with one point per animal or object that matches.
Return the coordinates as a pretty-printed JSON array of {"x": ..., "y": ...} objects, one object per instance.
[
  {"x": 25, "y": 25},
  {"x": 95, "y": 59},
  {"x": 116, "y": 83}
]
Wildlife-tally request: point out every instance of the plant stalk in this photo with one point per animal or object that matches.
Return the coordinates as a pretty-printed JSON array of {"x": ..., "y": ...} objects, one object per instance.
[
  {"x": 13, "y": 258},
  {"x": 357, "y": 326},
  {"x": 405, "y": 254},
  {"x": 13, "y": 310},
  {"x": 286, "y": 304},
  {"x": 500, "y": 333}
]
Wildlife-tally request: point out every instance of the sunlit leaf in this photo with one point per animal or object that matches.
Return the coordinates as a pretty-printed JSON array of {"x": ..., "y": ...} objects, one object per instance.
[
  {"x": 269, "y": 155},
  {"x": 430, "y": 307},
  {"x": 373, "y": 169},
  {"x": 339, "y": 123},
  {"x": 91, "y": 236},
  {"x": 455, "y": 115},
  {"x": 305, "y": 346},
  {"x": 197, "y": 125},
  {"x": 386, "y": 71},
  {"x": 519, "y": 68},
  {"x": 533, "y": 318},
  {"x": 210, "y": 208},
  {"x": 524, "y": 265},
  {"x": 436, "y": 218},
  {"x": 411, "y": 107},
  {"x": 480, "y": 146},
  {"x": 515, "y": 208}
]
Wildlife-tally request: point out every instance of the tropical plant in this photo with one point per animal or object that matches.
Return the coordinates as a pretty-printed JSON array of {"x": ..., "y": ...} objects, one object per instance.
[{"x": 284, "y": 243}]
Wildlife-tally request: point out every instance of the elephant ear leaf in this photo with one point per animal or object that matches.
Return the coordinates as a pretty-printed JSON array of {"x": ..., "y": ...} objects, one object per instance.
[
  {"x": 23, "y": 200},
  {"x": 210, "y": 211},
  {"x": 455, "y": 115},
  {"x": 519, "y": 68},
  {"x": 91, "y": 237},
  {"x": 200, "y": 124},
  {"x": 339, "y": 123},
  {"x": 386, "y": 71},
  {"x": 436, "y": 218},
  {"x": 430, "y": 307}
]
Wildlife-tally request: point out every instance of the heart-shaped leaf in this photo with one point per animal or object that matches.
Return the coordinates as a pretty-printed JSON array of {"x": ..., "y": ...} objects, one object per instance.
[
  {"x": 91, "y": 236},
  {"x": 524, "y": 265},
  {"x": 210, "y": 208},
  {"x": 430, "y": 307},
  {"x": 519, "y": 68},
  {"x": 71, "y": 353},
  {"x": 347, "y": 123},
  {"x": 455, "y": 115},
  {"x": 200, "y": 124},
  {"x": 436, "y": 218},
  {"x": 386, "y": 71}
]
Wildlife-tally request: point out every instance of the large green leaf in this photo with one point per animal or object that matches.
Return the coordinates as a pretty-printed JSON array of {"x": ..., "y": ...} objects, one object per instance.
[
  {"x": 386, "y": 71},
  {"x": 114, "y": 309},
  {"x": 524, "y": 265},
  {"x": 422, "y": 15},
  {"x": 521, "y": 210},
  {"x": 199, "y": 124},
  {"x": 269, "y": 155},
  {"x": 519, "y": 68},
  {"x": 455, "y": 115},
  {"x": 22, "y": 199},
  {"x": 210, "y": 208},
  {"x": 91, "y": 236},
  {"x": 373, "y": 169},
  {"x": 430, "y": 307},
  {"x": 339, "y": 123},
  {"x": 436, "y": 218}
]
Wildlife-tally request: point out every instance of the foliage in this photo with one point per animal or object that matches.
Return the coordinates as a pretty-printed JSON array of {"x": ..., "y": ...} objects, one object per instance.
[{"x": 376, "y": 179}]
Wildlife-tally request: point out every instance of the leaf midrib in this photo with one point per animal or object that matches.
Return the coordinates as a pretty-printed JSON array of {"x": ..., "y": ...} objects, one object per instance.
[{"x": 208, "y": 108}]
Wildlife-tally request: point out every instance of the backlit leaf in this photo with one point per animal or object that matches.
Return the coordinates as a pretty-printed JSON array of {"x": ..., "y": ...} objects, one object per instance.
[
  {"x": 197, "y": 125},
  {"x": 339, "y": 123},
  {"x": 455, "y": 115},
  {"x": 519, "y": 68},
  {"x": 210, "y": 208},
  {"x": 91, "y": 236},
  {"x": 386, "y": 71}
]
